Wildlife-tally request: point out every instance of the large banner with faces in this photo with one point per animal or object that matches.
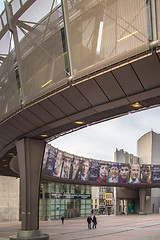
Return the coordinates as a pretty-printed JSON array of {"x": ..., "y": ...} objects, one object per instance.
[{"x": 64, "y": 165}]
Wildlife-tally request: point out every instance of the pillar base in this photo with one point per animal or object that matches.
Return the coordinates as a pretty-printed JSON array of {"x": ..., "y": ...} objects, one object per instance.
[
  {"x": 142, "y": 213},
  {"x": 30, "y": 235}
]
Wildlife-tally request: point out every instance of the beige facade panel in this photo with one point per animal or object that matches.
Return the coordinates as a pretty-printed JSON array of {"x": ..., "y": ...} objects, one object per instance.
[
  {"x": 9, "y": 199},
  {"x": 144, "y": 148}
]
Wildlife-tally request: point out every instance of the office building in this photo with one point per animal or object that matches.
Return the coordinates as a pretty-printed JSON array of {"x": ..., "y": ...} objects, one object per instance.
[{"x": 148, "y": 152}]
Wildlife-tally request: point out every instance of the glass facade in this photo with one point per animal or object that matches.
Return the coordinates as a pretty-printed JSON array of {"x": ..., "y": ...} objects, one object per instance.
[
  {"x": 57, "y": 199},
  {"x": 101, "y": 33},
  {"x": 67, "y": 38},
  {"x": 10, "y": 89}
]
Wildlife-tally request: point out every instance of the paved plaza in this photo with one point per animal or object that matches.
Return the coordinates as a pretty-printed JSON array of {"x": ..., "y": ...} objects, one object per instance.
[{"x": 129, "y": 227}]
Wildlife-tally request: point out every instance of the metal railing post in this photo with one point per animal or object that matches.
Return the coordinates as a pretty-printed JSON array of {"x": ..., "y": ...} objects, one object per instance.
[{"x": 154, "y": 41}]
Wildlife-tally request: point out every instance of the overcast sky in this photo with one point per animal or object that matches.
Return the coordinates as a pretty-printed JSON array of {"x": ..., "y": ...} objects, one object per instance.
[
  {"x": 101, "y": 140},
  {"x": 1, "y": 5}
]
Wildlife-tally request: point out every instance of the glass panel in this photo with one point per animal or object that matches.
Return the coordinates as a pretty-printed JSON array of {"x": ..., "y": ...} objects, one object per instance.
[
  {"x": 88, "y": 207},
  {"x": 83, "y": 189},
  {"x": 53, "y": 201},
  {"x": 88, "y": 190},
  {"x": 88, "y": 211},
  {"x": 52, "y": 187},
  {"x": 57, "y": 212},
  {"x": 52, "y": 217},
  {"x": 48, "y": 214},
  {"x": 10, "y": 91},
  {"x": 15, "y": 6},
  {"x": 82, "y": 201},
  {"x": 37, "y": 7},
  {"x": 57, "y": 201},
  {"x": 62, "y": 207},
  {"x": 58, "y": 188},
  {"x": 72, "y": 189},
  {"x": 53, "y": 207},
  {"x": 47, "y": 189},
  {"x": 48, "y": 201},
  {"x": 103, "y": 32},
  {"x": 0, "y": 25},
  {"x": 24, "y": 1},
  {"x": 42, "y": 49},
  {"x": 4, "y": 18},
  {"x": 52, "y": 213},
  {"x": 48, "y": 207},
  {"x": 68, "y": 189},
  {"x": 88, "y": 201},
  {"x": 62, "y": 201},
  {"x": 82, "y": 211}
]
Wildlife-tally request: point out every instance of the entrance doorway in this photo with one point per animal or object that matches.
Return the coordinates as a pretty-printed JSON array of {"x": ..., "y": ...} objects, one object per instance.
[{"x": 131, "y": 206}]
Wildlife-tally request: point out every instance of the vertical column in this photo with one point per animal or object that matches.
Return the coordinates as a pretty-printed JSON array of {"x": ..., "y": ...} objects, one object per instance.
[
  {"x": 43, "y": 202},
  {"x": 142, "y": 200},
  {"x": 13, "y": 30},
  {"x": 67, "y": 35},
  {"x": 30, "y": 155},
  {"x": 117, "y": 206},
  {"x": 154, "y": 42},
  {"x": 125, "y": 208}
]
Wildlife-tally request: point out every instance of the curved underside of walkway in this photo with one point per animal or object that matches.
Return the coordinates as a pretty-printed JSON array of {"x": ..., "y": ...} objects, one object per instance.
[
  {"x": 93, "y": 96},
  {"x": 56, "y": 115}
]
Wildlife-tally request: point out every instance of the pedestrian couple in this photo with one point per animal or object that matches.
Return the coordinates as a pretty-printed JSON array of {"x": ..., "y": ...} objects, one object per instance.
[{"x": 90, "y": 220}]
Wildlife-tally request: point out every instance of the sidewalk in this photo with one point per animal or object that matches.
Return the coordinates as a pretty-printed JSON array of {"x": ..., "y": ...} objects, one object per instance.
[{"x": 137, "y": 227}]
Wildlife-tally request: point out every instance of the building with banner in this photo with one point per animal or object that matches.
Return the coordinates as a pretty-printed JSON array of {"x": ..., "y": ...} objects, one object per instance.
[
  {"x": 65, "y": 65},
  {"x": 127, "y": 173},
  {"x": 148, "y": 152},
  {"x": 74, "y": 199}
]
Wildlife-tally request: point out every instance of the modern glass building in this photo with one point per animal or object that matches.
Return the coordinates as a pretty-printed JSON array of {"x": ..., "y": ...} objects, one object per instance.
[{"x": 57, "y": 199}]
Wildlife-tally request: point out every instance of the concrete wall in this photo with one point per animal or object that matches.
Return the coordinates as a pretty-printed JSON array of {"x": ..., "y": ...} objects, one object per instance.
[
  {"x": 148, "y": 147},
  {"x": 125, "y": 193},
  {"x": 155, "y": 200},
  {"x": 95, "y": 197},
  {"x": 144, "y": 148},
  {"x": 148, "y": 152},
  {"x": 148, "y": 207},
  {"x": 155, "y": 148},
  {"x": 9, "y": 199},
  {"x": 124, "y": 157},
  {"x": 120, "y": 156}
]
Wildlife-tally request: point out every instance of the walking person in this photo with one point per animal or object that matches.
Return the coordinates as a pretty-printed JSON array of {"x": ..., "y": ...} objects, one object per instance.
[
  {"x": 94, "y": 220},
  {"x": 62, "y": 218},
  {"x": 89, "y": 220}
]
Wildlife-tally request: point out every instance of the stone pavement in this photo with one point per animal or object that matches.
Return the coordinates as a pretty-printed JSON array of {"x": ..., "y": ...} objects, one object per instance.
[{"x": 128, "y": 227}]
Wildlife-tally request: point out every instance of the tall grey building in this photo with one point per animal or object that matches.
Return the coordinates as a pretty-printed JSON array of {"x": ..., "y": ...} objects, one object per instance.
[{"x": 148, "y": 152}]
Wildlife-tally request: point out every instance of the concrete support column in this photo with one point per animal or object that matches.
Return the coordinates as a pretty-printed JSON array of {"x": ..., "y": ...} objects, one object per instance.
[
  {"x": 125, "y": 208},
  {"x": 142, "y": 200},
  {"x": 30, "y": 155},
  {"x": 117, "y": 206}
]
